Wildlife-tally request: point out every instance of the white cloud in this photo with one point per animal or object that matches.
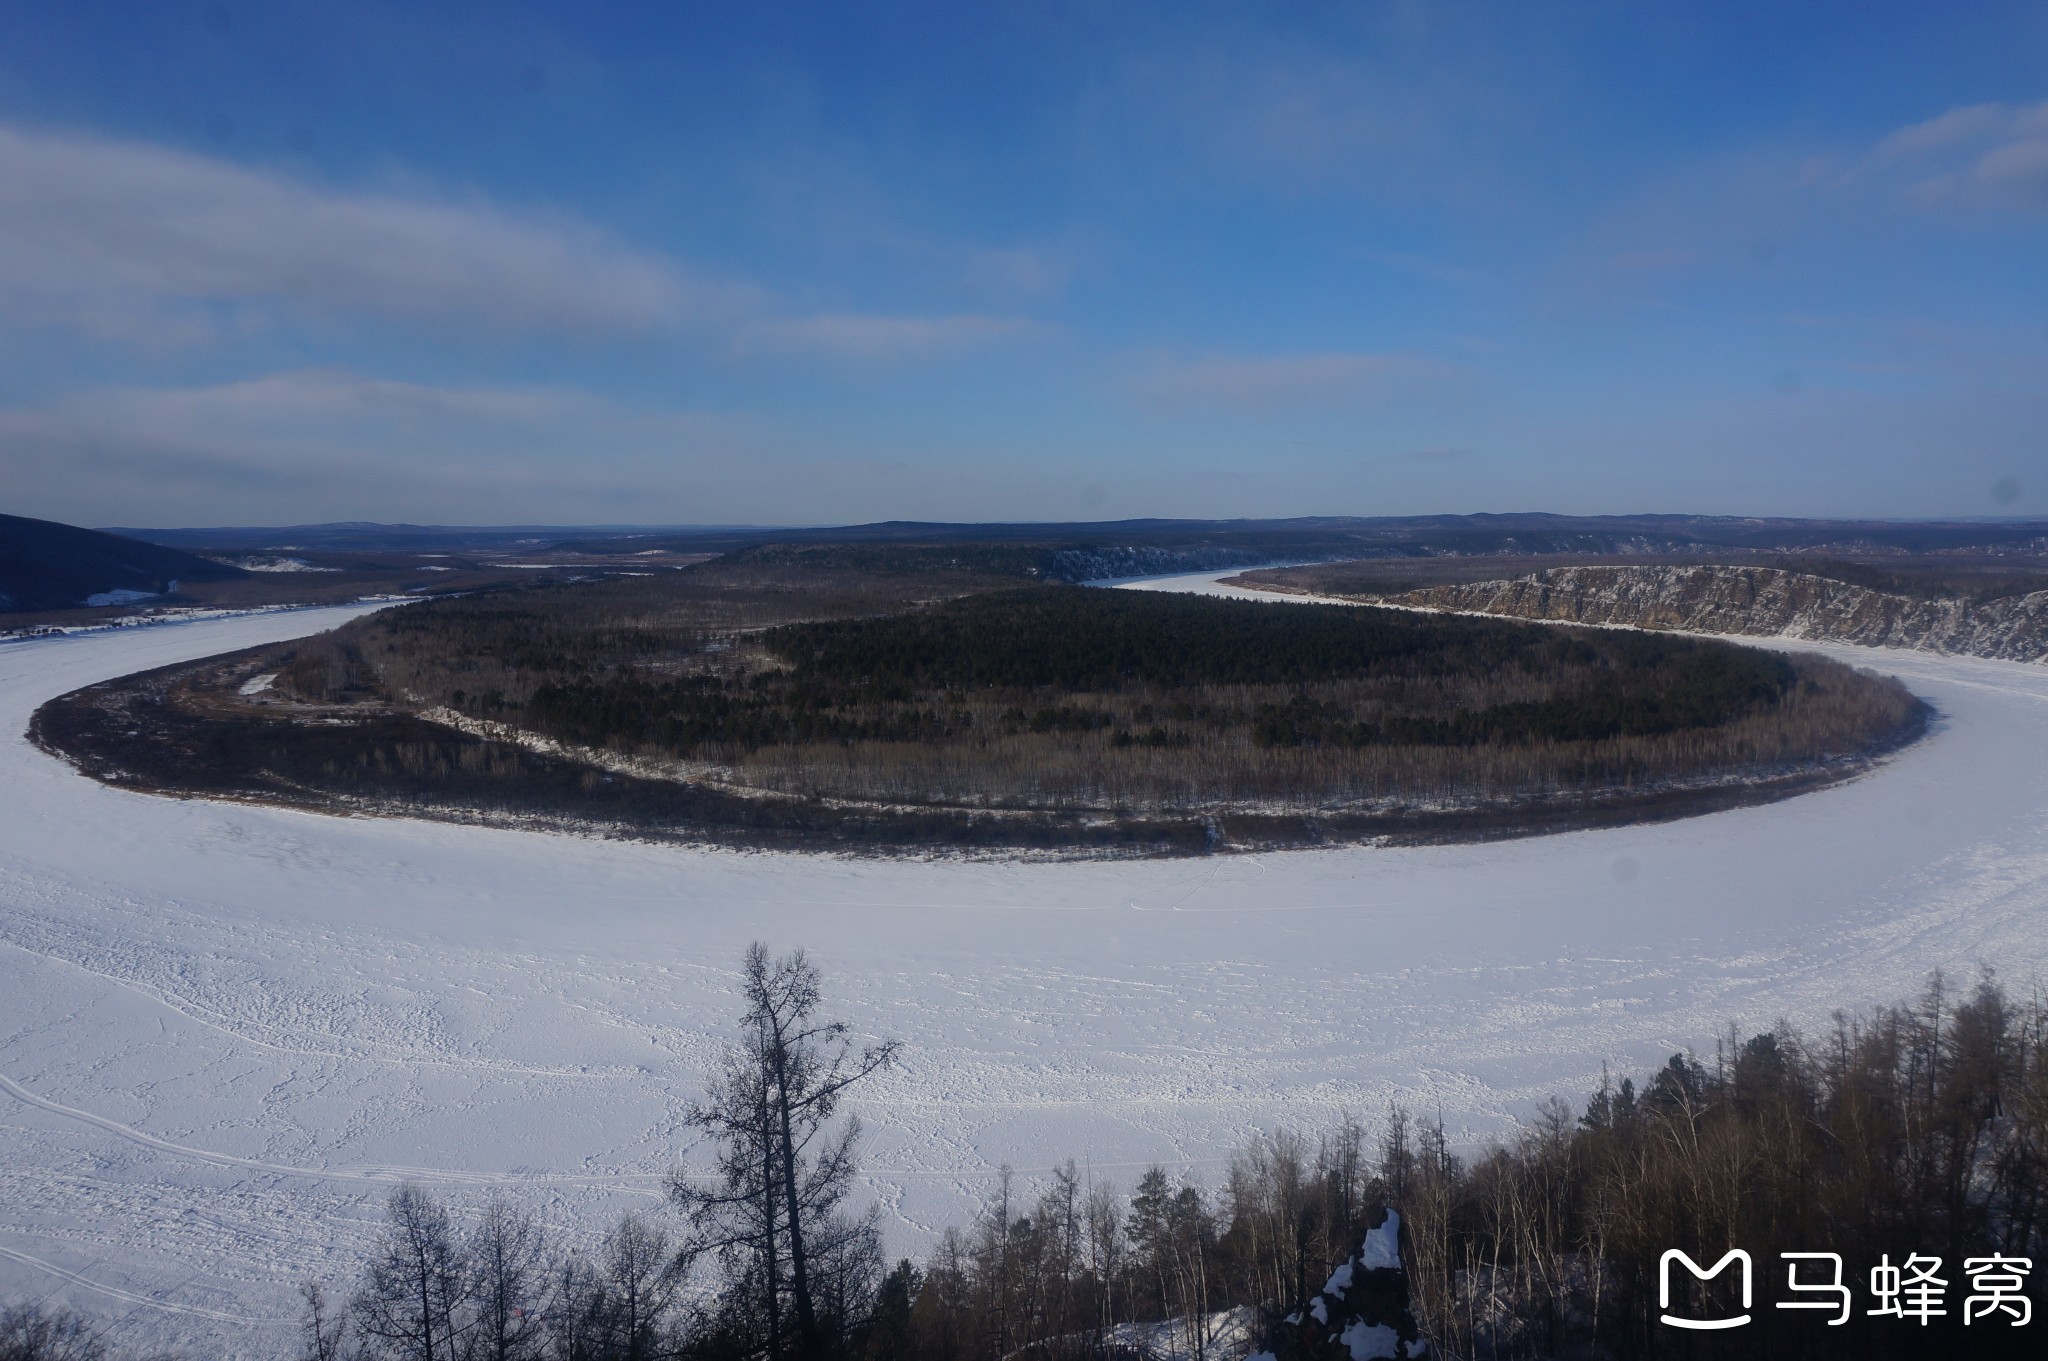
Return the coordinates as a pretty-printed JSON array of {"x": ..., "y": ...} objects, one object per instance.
[
  {"x": 330, "y": 444},
  {"x": 1267, "y": 382},
  {"x": 137, "y": 241},
  {"x": 298, "y": 398},
  {"x": 879, "y": 338},
  {"x": 1943, "y": 130},
  {"x": 358, "y": 447},
  {"x": 1985, "y": 157}
]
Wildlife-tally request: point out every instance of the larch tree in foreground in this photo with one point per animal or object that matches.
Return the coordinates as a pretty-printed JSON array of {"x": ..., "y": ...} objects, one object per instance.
[
  {"x": 410, "y": 1301},
  {"x": 773, "y": 1212}
]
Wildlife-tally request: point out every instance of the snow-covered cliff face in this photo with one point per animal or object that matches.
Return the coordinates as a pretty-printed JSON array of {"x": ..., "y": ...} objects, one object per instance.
[{"x": 1763, "y": 601}]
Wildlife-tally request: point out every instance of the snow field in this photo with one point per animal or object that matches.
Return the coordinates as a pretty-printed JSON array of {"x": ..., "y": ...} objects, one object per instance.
[{"x": 226, "y": 1031}]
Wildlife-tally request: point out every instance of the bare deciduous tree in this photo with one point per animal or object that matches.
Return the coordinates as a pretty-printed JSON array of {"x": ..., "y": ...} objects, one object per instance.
[
  {"x": 412, "y": 1292},
  {"x": 32, "y": 1333},
  {"x": 639, "y": 1275},
  {"x": 325, "y": 1329},
  {"x": 509, "y": 1268},
  {"x": 782, "y": 1171}
]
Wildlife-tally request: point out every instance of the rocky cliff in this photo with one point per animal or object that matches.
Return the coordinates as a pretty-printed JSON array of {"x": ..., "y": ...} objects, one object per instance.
[{"x": 1760, "y": 601}]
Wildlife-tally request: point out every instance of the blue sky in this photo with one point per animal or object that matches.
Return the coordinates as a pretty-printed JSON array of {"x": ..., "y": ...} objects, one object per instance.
[{"x": 825, "y": 263}]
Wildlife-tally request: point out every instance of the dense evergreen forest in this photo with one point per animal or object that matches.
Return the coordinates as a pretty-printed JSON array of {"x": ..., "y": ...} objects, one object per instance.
[
  {"x": 1911, "y": 1143},
  {"x": 767, "y": 699},
  {"x": 1066, "y": 697}
]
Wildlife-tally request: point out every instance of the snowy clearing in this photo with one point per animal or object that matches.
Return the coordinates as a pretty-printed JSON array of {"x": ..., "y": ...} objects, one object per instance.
[{"x": 225, "y": 1031}]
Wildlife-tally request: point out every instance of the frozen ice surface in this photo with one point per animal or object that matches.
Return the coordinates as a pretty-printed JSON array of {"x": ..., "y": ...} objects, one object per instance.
[{"x": 226, "y": 1031}]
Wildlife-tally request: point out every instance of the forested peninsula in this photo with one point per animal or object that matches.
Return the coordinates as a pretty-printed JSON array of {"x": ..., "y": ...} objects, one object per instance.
[{"x": 809, "y": 700}]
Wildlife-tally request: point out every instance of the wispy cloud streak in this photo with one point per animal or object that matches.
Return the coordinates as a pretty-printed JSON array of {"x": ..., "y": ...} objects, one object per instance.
[
  {"x": 143, "y": 242},
  {"x": 872, "y": 337},
  {"x": 1981, "y": 157},
  {"x": 1272, "y": 382}
]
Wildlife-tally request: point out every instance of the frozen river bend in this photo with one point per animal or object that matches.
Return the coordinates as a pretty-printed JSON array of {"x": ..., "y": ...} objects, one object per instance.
[{"x": 225, "y": 1031}]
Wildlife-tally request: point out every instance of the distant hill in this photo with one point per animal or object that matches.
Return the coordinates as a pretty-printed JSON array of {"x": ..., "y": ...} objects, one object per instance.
[
  {"x": 1329, "y": 537},
  {"x": 1079, "y": 550},
  {"x": 1131, "y": 548},
  {"x": 49, "y": 566},
  {"x": 355, "y": 536}
]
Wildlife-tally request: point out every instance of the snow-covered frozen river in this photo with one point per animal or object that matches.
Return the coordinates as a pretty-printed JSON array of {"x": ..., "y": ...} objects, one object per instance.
[{"x": 225, "y": 1031}]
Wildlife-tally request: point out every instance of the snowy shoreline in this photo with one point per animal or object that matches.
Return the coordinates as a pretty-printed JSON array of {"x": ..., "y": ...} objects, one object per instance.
[{"x": 193, "y": 615}]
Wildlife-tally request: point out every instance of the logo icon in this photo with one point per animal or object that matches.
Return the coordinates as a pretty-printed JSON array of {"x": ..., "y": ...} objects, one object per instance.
[{"x": 1702, "y": 1274}]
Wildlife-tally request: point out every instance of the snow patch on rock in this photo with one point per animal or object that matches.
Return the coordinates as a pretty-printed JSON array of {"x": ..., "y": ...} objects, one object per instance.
[
  {"x": 1372, "y": 1342},
  {"x": 1382, "y": 1250}
]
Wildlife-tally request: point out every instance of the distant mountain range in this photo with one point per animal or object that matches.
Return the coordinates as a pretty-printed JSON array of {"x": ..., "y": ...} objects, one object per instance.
[
  {"x": 1327, "y": 537},
  {"x": 1084, "y": 551},
  {"x": 357, "y": 536},
  {"x": 49, "y": 566},
  {"x": 44, "y": 565}
]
